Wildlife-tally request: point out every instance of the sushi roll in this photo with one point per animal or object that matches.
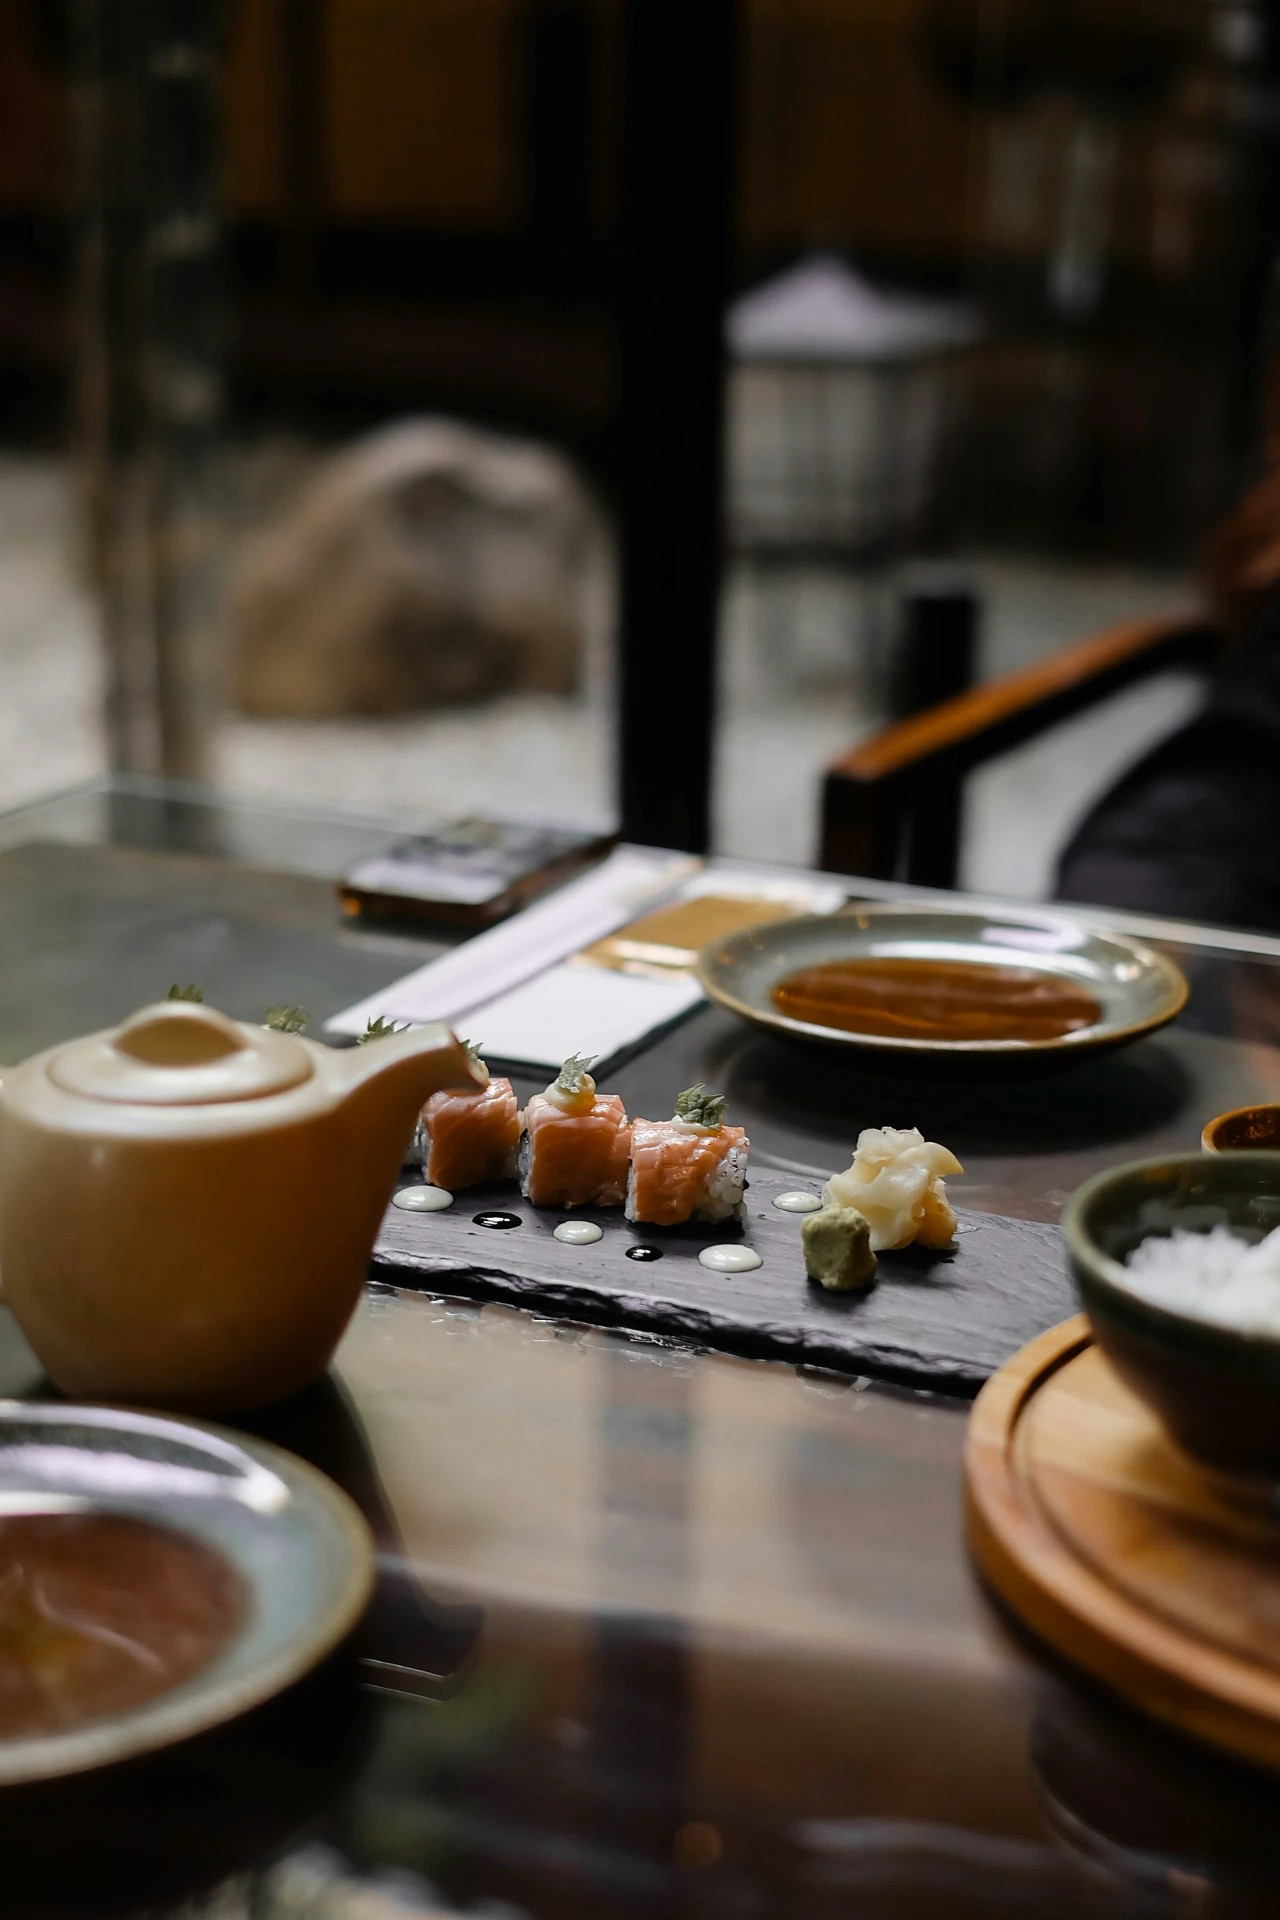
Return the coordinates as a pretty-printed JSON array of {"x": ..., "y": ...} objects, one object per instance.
[
  {"x": 470, "y": 1137},
  {"x": 577, "y": 1143},
  {"x": 691, "y": 1167}
]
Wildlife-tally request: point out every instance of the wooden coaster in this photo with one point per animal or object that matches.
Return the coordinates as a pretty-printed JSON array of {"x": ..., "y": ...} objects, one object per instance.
[{"x": 1156, "y": 1576}]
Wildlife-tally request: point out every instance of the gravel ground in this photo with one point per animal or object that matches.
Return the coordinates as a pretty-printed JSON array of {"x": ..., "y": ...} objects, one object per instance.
[{"x": 793, "y": 695}]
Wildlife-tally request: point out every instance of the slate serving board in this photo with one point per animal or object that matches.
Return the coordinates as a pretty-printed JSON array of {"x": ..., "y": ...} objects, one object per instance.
[{"x": 944, "y": 1321}]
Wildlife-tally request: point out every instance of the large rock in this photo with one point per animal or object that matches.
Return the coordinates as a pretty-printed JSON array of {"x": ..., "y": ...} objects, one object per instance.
[{"x": 427, "y": 563}]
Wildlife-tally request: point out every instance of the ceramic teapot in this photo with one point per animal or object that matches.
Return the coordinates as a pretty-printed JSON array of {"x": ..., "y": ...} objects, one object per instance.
[{"x": 188, "y": 1204}]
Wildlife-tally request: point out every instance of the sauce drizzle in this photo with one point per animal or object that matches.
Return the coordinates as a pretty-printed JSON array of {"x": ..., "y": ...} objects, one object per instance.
[
  {"x": 730, "y": 1258},
  {"x": 578, "y": 1233},
  {"x": 796, "y": 1200},
  {"x": 422, "y": 1199}
]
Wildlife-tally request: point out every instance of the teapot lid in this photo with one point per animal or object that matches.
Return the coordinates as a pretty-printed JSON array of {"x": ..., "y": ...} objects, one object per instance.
[{"x": 180, "y": 1053}]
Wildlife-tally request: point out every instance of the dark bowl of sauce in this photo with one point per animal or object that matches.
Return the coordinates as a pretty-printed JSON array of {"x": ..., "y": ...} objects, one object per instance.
[
  {"x": 1243, "y": 1129},
  {"x": 103, "y": 1613},
  {"x": 158, "y": 1580}
]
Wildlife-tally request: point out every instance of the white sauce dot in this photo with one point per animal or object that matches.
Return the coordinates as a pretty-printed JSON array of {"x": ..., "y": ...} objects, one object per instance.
[
  {"x": 578, "y": 1233},
  {"x": 797, "y": 1201},
  {"x": 730, "y": 1259},
  {"x": 422, "y": 1199}
]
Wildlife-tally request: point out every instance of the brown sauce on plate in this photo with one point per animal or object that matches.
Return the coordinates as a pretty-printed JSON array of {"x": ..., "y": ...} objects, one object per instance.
[
  {"x": 936, "y": 1000},
  {"x": 101, "y": 1613}
]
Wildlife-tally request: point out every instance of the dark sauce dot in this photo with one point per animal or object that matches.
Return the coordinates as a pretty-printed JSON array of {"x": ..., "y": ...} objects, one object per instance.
[
  {"x": 644, "y": 1253},
  {"x": 503, "y": 1222}
]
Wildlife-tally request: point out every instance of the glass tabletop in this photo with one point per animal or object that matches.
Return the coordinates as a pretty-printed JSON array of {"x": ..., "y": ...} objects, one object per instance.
[
  {"x": 123, "y": 886},
  {"x": 657, "y": 1631}
]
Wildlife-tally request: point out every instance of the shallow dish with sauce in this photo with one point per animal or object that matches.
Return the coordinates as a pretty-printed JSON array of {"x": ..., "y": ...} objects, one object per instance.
[
  {"x": 1012, "y": 990},
  {"x": 157, "y": 1579}
]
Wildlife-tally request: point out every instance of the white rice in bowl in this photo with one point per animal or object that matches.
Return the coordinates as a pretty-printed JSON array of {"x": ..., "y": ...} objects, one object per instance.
[{"x": 1216, "y": 1276}]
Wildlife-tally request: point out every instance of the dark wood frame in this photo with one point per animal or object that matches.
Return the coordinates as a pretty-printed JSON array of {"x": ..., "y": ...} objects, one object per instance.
[
  {"x": 891, "y": 807},
  {"x": 676, "y": 204}
]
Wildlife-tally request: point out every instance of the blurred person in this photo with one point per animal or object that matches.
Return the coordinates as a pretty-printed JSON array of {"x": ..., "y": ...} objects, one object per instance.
[{"x": 1192, "y": 830}]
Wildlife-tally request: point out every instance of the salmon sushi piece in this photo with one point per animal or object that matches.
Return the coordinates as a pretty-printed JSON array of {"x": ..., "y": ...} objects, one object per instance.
[
  {"x": 471, "y": 1137},
  {"x": 691, "y": 1167},
  {"x": 576, "y": 1150}
]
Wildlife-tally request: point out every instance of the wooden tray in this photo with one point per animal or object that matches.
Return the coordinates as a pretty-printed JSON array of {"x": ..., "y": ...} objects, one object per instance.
[
  {"x": 1159, "y": 1578},
  {"x": 945, "y": 1321}
]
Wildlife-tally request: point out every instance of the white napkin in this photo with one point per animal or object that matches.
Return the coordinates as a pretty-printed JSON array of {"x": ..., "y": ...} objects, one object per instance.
[
  {"x": 480, "y": 969},
  {"x": 514, "y": 991},
  {"x": 579, "y": 1009}
]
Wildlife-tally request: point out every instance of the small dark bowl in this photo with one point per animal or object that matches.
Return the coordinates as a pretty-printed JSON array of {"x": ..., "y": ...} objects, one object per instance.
[
  {"x": 1216, "y": 1390},
  {"x": 1242, "y": 1128}
]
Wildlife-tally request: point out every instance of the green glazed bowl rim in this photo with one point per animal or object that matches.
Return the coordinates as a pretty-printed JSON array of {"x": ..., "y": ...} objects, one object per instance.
[{"x": 1107, "y": 1276}]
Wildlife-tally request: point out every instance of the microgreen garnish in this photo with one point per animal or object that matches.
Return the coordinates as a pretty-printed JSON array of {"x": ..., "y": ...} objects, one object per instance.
[
  {"x": 700, "y": 1108},
  {"x": 575, "y": 1072},
  {"x": 287, "y": 1019},
  {"x": 380, "y": 1029},
  {"x": 185, "y": 993}
]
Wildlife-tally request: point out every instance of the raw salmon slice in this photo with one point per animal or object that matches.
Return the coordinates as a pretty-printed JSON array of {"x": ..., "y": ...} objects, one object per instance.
[
  {"x": 679, "y": 1172},
  {"x": 472, "y": 1138},
  {"x": 576, "y": 1159}
]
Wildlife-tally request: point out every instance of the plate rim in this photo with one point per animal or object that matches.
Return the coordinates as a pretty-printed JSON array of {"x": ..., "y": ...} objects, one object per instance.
[
  {"x": 195, "y": 1707},
  {"x": 1084, "y": 1040}
]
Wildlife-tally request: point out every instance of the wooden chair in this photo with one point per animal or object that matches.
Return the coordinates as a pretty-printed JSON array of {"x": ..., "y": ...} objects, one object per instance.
[{"x": 892, "y": 807}]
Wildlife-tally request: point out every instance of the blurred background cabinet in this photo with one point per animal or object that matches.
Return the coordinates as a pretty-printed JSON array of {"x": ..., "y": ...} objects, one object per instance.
[
  {"x": 419, "y": 210},
  {"x": 434, "y": 182}
]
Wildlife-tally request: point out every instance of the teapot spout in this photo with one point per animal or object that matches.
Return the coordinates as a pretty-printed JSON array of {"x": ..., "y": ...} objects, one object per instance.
[{"x": 386, "y": 1082}]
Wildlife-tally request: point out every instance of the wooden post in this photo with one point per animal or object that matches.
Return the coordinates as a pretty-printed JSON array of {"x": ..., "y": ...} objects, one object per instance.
[
  {"x": 935, "y": 661},
  {"x": 676, "y": 208},
  {"x": 150, "y": 343}
]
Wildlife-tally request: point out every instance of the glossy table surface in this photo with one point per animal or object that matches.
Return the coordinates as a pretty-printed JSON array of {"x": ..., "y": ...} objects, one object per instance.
[{"x": 657, "y": 1631}]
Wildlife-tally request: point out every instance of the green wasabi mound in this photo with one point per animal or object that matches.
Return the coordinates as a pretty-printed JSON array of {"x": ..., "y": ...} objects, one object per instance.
[{"x": 837, "y": 1249}]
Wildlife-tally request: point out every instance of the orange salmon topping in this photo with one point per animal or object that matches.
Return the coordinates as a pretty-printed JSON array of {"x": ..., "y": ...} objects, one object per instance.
[
  {"x": 473, "y": 1136},
  {"x": 578, "y": 1159},
  {"x": 671, "y": 1165}
]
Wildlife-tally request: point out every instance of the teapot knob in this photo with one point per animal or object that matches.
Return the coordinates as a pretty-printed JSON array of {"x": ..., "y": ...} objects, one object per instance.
[
  {"x": 179, "y": 1033},
  {"x": 180, "y": 1053}
]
